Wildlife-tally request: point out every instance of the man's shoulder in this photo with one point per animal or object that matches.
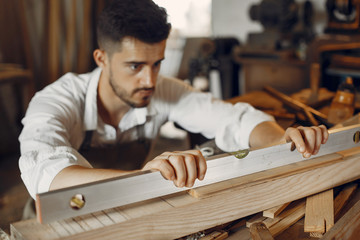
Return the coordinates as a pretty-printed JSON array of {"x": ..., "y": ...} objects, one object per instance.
[
  {"x": 68, "y": 92},
  {"x": 71, "y": 82}
]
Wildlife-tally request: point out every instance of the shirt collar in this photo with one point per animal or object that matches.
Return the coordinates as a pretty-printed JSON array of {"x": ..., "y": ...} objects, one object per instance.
[{"x": 91, "y": 114}]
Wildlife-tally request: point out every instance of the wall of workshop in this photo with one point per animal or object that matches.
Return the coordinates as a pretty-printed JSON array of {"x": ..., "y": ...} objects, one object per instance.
[
  {"x": 231, "y": 17},
  {"x": 60, "y": 38}
]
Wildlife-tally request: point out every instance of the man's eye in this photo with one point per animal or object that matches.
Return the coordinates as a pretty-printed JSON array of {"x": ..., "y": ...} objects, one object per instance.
[
  {"x": 157, "y": 66},
  {"x": 135, "y": 67}
]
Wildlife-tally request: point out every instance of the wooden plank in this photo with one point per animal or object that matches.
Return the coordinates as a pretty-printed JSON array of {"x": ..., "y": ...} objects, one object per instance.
[
  {"x": 74, "y": 225},
  {"x": 60, "y": 229},
  {"x": 293, "y": 103},
  {"x": 179, "y": 199},
  {"x": 310, "y": 117},
  {"x": 145, "y": 208},
  {"x": 319, "y": 216},
  {"x": 115, "y": 215},
  {"x": 273, "y": 212},
  {"x": 259, "y": 231},
  {"x": 92, "y": 221},
  {"x": 65, "y": 225},
  {"x": 288, "y": 221},
  {"x": 268, "y": 175},
  {"x": 30, "y": 229},
  {"x": 103, "y": 218},
  {"x": 342, "y": 199},
  {"x": 293, "y": 208},
  {"x": 348, "y": 227},
  {"x": 295, "y": 231},
  {"x": 241, "y": 201}
]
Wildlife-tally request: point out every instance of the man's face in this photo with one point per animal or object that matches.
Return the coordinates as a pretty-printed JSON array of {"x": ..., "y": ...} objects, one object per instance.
[{"x": 134, "y": 69}]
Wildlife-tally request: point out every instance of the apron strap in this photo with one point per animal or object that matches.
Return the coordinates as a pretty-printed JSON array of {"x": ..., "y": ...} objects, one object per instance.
[{"x": 86, "y": 144}]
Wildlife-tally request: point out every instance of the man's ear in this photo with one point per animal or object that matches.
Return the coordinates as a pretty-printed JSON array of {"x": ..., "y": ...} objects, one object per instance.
[{"x": 100, "y": 58}]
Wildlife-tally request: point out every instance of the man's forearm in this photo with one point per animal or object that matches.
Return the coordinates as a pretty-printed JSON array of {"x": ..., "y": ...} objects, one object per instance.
[
  {"x": 266, "y": 134},
  {"x": 76, "y": 175}
]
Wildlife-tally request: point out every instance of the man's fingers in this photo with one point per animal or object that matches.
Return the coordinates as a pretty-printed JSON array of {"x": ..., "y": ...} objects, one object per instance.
[
  {"x": 191, "y": 169},
  {"x": 181, "y": 167},
  {"x": 201, "y": 167},
  {"x": 325, "y": 133},
  {"x": 295, "y": 136},
  {"x": 200, "y": 163},
  {"x": 162, "y": 165},
  {"x": 318, "y": 140},
  {"x": 308, "y": 140},
  {"x": 178, "y": 164}
]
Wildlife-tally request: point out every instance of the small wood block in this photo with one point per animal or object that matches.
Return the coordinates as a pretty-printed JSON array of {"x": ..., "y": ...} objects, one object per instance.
[
  {"x": 291, "y": 209},
  {"x": 287, "y": 218},
  {"x": 255, "y": 219},
  {"x": 273, "y": 212},
  {"x": 350, "y": 152},
  {"x": 319, "y": 216},
  {"x": 259, "y": 231},
  {"x": 316, "y": 235}
]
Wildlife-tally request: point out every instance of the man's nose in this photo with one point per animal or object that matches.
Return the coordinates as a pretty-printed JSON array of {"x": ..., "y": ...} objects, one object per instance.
[{"x": 149, "y": 78}]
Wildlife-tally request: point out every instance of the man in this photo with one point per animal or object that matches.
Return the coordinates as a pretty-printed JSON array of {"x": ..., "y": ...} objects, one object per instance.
[{"x": 121, "y": 105}]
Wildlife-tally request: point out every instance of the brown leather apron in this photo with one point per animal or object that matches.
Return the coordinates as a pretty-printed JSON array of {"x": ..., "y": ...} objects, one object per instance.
[{"x": 125, "y": 156}]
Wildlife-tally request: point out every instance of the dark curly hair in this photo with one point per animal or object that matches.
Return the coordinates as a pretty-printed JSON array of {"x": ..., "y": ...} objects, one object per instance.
[{"x": 141, "y": 19}]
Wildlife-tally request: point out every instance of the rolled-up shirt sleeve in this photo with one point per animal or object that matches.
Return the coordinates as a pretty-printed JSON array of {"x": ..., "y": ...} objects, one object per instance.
[
  {"x": 38, "y": 168},
  {"x": 52, "y": 132},
  {"x": 230, "y": 124},
  {"x": 234, "y": 134}
]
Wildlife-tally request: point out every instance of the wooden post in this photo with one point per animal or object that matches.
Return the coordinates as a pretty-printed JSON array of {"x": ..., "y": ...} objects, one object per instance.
[{"x": 319, "y": 216}]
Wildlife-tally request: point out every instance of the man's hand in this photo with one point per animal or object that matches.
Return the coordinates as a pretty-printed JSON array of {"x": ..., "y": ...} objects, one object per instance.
[
  {"x": 180, "y": 167},
  {"x": 307, "y": 139}
]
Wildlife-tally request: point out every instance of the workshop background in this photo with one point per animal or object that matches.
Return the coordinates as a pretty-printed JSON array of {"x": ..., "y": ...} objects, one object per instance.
[{"x": 232, "y": 48}]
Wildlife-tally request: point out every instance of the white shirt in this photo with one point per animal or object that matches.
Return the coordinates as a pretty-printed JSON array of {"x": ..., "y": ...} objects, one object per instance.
[{"x": 59, "y": 115}]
